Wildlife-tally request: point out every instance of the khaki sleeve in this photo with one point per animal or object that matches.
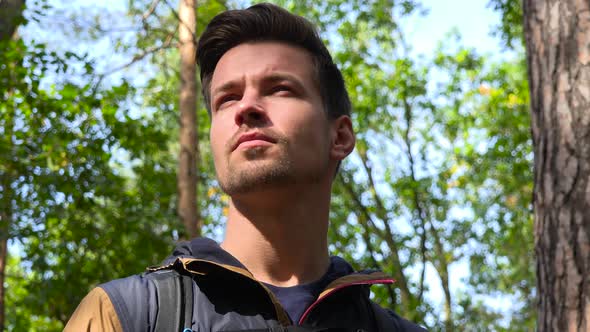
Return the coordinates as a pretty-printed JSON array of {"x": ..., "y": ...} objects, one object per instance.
[{"x": 95, "y": 314}]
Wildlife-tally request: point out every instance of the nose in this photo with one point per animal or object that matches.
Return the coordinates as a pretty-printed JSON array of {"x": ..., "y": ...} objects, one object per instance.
[{"x": 250, "y": 112}]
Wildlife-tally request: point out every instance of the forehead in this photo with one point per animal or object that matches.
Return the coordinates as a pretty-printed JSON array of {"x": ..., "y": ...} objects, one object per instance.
[{"x": 257, "y": 59}]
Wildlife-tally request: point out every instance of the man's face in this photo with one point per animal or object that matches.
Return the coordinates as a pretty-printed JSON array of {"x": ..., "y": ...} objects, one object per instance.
[{"x": 268, "y": 126}]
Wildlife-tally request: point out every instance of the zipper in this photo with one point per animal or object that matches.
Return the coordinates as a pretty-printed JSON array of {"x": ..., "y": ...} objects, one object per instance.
[
  {"x": 330, "y": 291},
  {"x": 282, "y": 317}
]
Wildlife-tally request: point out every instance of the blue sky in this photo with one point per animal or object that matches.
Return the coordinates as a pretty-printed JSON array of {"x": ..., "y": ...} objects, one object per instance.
[{"x": 473, "y": 19}]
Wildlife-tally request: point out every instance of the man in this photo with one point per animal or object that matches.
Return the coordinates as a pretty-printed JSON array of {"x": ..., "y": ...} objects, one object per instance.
[{"x": 280, "y": 127}]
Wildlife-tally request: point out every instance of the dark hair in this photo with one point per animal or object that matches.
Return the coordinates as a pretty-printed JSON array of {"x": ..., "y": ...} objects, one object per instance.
[{"x": 268, "y": 22}]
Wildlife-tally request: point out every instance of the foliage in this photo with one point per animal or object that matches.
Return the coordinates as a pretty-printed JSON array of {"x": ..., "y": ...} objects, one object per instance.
[
  {"x": 73, "y": 214},
  {"x": 489, "y": 128},
  {"x": 510, "y": 29},
  {"x": 22, "y": 317}
]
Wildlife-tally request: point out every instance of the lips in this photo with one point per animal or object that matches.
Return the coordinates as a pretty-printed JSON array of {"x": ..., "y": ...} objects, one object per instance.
[{"x": 256, "y": 136}]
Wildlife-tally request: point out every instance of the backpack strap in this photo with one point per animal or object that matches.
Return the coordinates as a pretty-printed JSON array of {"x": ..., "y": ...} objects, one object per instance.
[{"x": 175, "y": 300}]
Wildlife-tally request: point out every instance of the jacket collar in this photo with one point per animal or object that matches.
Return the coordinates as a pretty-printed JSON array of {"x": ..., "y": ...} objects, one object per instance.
[
  {"x": 202, "y": 256},
  {"x": 201, "y": 250},
  {"x": 204, "y": 249},
  {"x": 209, "y": 250}
]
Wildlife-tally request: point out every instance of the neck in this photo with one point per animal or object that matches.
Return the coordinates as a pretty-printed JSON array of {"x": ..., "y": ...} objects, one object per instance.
[{"x": 281, "y": 237}]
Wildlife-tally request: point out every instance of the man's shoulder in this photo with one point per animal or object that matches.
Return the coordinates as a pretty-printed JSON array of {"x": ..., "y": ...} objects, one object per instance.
[
  {"x": 95, "y": 313},
  {"x": 133, "y": 299},
  {"x": 133, "y": 283},
  {"x": 388, "y": 320},
  {"x": 141, "y": 284},
  {"x": 124, "y": 304}
]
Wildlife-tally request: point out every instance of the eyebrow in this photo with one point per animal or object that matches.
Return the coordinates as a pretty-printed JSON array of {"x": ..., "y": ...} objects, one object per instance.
[
  {"x": 226, "y": 86},
  {"x": 272, "y": 78},
  {"x": 277, "y": 77}
]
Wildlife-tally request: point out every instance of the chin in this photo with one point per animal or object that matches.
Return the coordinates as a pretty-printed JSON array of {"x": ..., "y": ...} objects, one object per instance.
[
  {"x": 257, "y": 178},
  {"x": 255, "y": 153}
]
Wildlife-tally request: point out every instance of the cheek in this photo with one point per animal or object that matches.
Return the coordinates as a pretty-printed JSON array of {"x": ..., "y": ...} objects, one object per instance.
[
  {"x": 314, "y": 135},
  {"x": 217, "y": 143}
]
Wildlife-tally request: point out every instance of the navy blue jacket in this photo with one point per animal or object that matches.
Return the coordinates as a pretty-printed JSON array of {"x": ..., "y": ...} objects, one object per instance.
[{"x": 228, "y": 298}]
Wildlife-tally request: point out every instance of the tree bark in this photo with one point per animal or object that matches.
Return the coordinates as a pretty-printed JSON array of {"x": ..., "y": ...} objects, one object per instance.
[
  {"x": 557, "y": 35},
  {"x": 6, "y": 200},
  {"x": 6, "y": 206},
  {"x": 188, "y": 159},
  {"x": 3, "y": 258},
  {"x": 10, "y": 17}
]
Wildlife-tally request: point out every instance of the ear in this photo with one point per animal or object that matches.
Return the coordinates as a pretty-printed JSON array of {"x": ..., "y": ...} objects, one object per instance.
[{"x": 343, "y": 139}]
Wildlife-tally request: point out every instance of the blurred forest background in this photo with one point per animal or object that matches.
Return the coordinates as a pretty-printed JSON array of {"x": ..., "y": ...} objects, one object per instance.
[{"x": 437, "y": 193}]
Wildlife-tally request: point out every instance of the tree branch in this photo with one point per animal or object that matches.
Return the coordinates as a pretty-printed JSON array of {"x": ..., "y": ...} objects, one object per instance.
[
  {"x": 370, "y": 226},
  {"x": 138, "y": 57},
  {"x": 441, "y": 262},
  {"x": 150, "y": 10},
  {"x": 180, "y": 21}
]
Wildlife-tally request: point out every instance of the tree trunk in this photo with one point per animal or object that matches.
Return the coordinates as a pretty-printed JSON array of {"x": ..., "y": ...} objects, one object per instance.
[
  {"x": 557, "y": 37},
  {"x": 3, "y": 258},
  {"x": 189, "y": 151},
  {"x": 10, "y": 17},
  {"x": 6, "y": 200}
]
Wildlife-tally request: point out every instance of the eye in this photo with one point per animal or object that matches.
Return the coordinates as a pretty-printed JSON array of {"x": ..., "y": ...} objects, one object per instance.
[
  {"x": 225, "y": 100},
  {"x": 282, "y": 89}
]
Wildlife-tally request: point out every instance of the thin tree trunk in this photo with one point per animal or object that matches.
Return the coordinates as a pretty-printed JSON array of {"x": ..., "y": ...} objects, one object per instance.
[
  {"x": 557, "y": 37},
  {"x": 408, "y": 302},
  {"x": 442, "y": 267},
  {"x": 439, "y": 259},
  {"x": 3, "y": 258},
  {"x": 10, "y": 17},
  {"x": 6, "y": 197},
  {"x": 188, "y": 160}
]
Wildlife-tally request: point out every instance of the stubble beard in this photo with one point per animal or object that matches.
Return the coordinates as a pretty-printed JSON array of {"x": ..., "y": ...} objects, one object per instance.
[
  {"x": 266, "y": 174},
  {"x": 259, "y": 174}
]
